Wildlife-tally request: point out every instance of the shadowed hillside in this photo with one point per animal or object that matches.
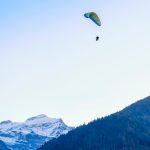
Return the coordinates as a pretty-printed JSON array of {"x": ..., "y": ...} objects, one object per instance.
[{"x": 128, "y": 129}]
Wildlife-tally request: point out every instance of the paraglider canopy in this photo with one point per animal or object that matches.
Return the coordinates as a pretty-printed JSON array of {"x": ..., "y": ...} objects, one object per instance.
[{"x": 94, "y": 17}]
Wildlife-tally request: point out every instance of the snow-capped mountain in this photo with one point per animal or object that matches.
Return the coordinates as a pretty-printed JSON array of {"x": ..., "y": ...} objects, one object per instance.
[{"x": 32, "y": 133}]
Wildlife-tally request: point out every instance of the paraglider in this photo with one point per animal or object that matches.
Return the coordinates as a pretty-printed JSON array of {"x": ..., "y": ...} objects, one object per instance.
[{"x": 94, "y": 17}]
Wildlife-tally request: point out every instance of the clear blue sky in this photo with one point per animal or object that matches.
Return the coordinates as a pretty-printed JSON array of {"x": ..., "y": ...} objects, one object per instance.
[{"x": 51, "y": 64}]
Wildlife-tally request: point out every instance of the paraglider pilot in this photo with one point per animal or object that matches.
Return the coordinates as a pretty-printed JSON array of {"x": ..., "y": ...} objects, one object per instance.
[{"x": 97, "y": 38}]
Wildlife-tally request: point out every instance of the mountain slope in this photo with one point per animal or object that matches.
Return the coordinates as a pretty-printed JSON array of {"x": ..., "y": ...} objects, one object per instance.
[
  {"x": 3, "y": 146},
  {"x": 128, "y": 129},
  {"x": 32, "y": 133}
]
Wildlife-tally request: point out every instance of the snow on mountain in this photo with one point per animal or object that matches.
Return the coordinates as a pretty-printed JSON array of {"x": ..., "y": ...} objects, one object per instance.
[
  {"x": 3, "y": 146},
  {"x": 32, "y": 133}
]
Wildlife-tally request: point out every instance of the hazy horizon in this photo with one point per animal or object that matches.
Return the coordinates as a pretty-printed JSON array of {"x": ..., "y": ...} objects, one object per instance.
[{"x": 51, "y": 64}]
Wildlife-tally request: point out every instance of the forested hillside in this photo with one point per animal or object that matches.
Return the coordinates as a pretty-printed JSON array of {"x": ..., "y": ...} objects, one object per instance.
[{"x": 128, "y": 129}]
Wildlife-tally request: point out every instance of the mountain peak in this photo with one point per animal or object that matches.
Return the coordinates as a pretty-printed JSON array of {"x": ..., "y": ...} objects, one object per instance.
[
  {"x": 40, "y": 119},
  {"x": 5, "y": 122},
  {"x": 39, "y": 116}
]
